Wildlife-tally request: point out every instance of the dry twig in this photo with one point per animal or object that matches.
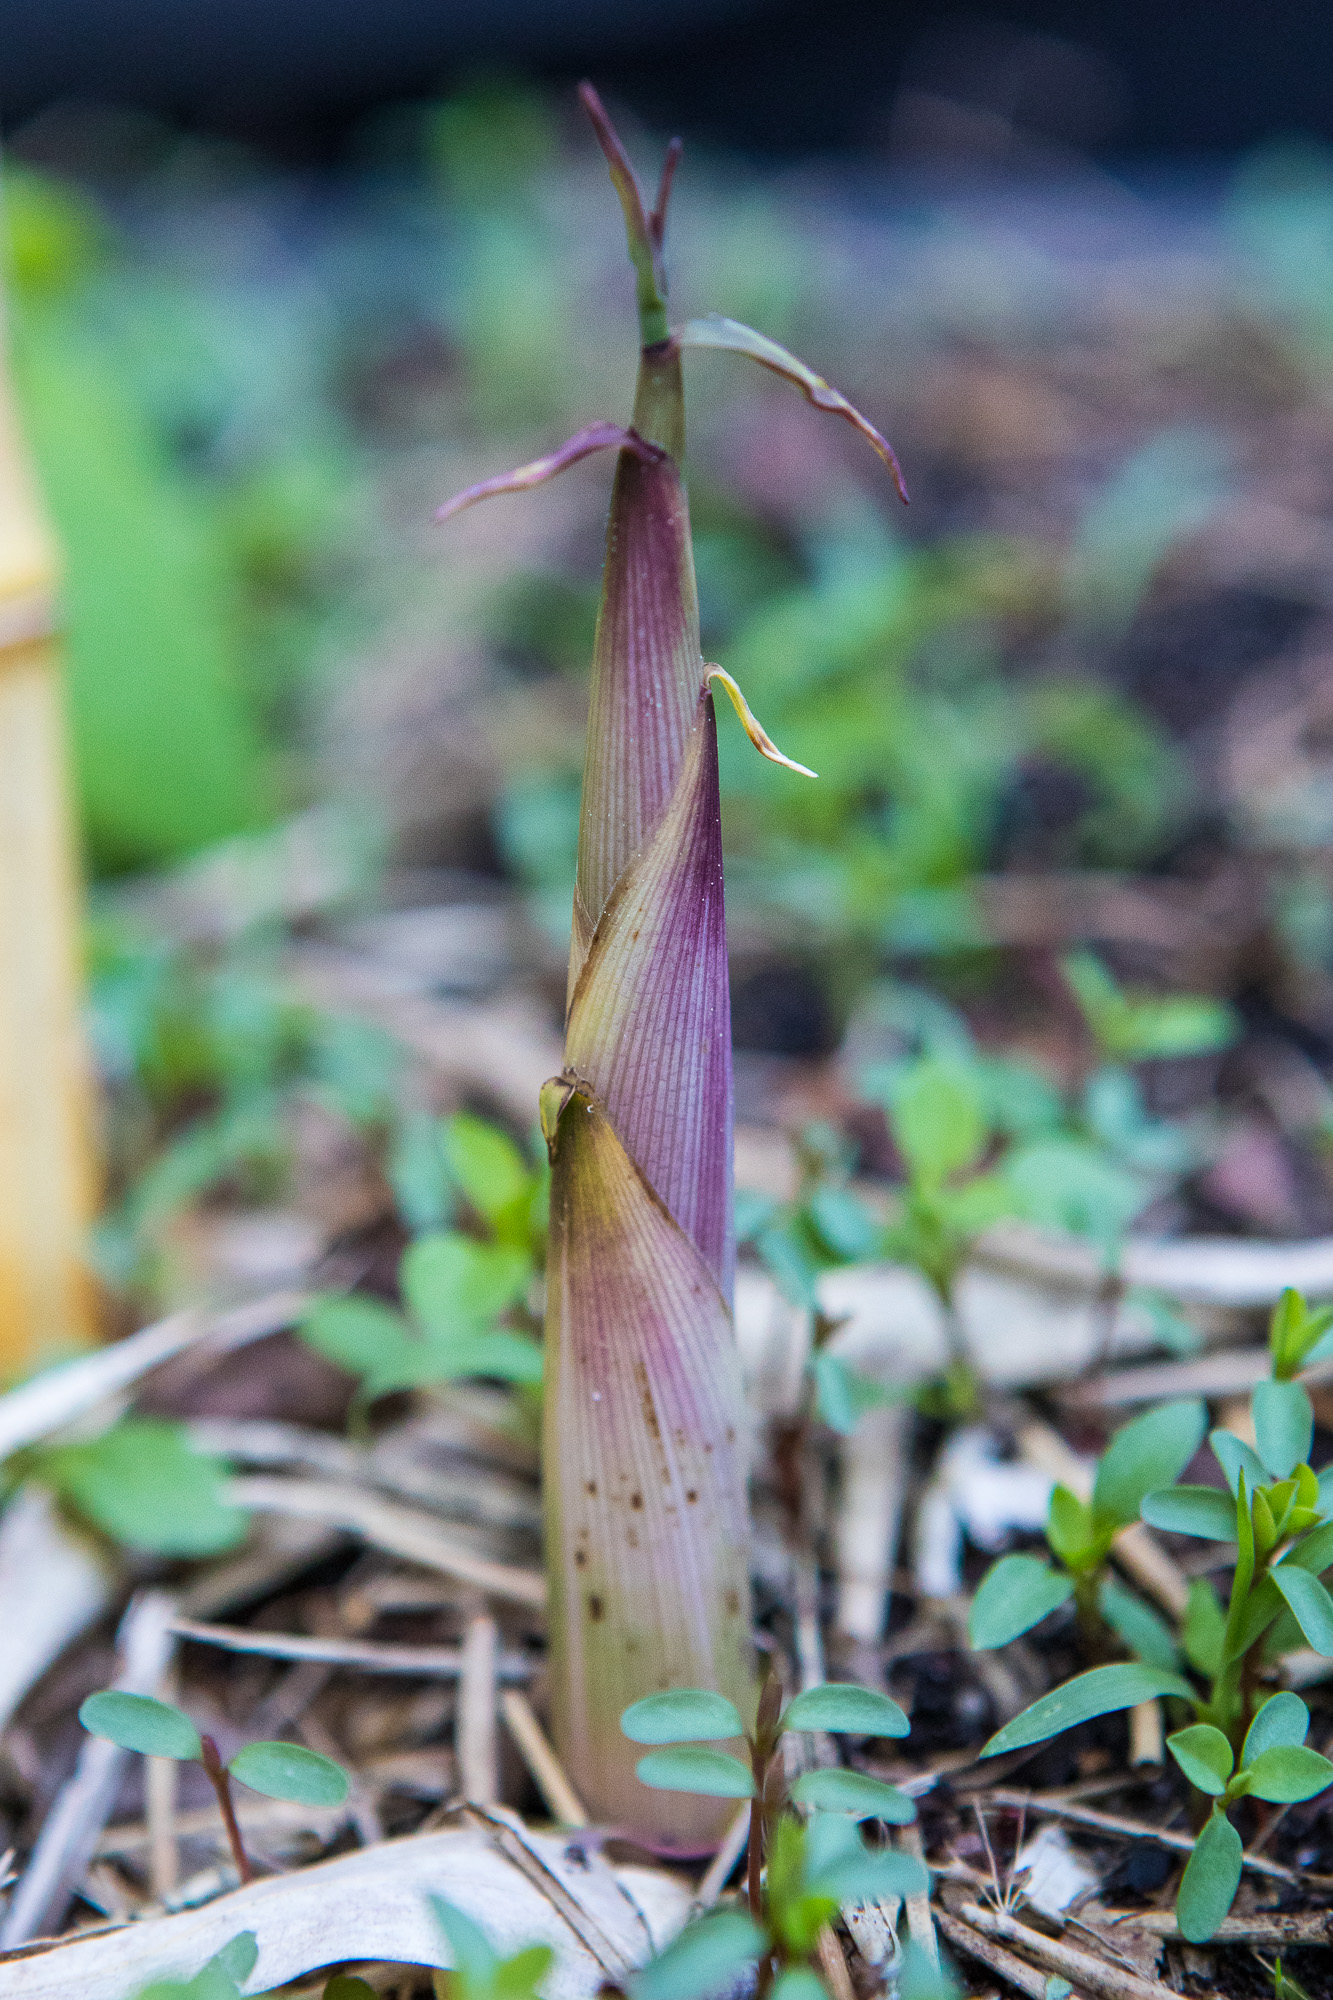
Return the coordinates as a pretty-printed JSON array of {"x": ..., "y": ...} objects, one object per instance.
[
  {"x": 401, "y": 1531},
  {"x": 544, "y": 1767}
]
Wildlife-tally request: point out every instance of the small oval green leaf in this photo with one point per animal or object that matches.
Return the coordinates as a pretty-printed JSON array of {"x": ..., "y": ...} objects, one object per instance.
[
  {"x": 1204, "y": 1755},
  {"x": 846, "y": 1708},
  {"x": 798, "y": 1982},
  {"x": 1100, "y": 1691},
  {"x": 702, "y": 1960},
  {"x": 711, "y": 1772},
  {"x": 1191, "y": 1510},
  {"x": 1282, "y": 1719},
  {"x": 137, "y": 1722},
  {"x": 1235, "y": 1456},
  {"x": 1286, "y": 1773},
  {"x": 1310, "y": 1603},
  {"x": 937, "y": 1117},
  {"x": 144, "y": 1483},
  {"x": 1150, "y": 1452},
  {"x": 1283, "y": 1426},
  {"x": 855, "y": 1793},
  {"x": 290, "y": 1771},
  {"x": 1147, "y": 1637},
  {"x": 1205, "y": 1629},
  {"x": 485, "y": 1163},
  {"x": 455, "y": 1285},
  {"x": 682, "y": 1715},
  {"x": 1015, "y": 1594},
  {"x": 858, "y": 1875},
  {"x": 1212, "y": 1876}
]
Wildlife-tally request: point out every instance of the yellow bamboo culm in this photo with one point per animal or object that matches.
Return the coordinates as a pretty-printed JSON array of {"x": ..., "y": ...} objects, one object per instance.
[{"x": 47, "y": 1176}]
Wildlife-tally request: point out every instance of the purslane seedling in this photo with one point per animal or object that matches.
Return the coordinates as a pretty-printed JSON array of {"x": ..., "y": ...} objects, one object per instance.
[
  {"x": 464, "y": 1293},
  {"x": 682, "y": 1723},
  {"x": 1018, "y": 1591},
  {"x": 799, "y": 1870},
  {"x": 1275, "y": 1509},
  {"x": 277, "y": 1770}
]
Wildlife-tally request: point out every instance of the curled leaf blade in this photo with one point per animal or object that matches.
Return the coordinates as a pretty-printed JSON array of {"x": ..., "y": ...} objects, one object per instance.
[
  {"x": 730, "y": 336},
  {"x": 753, "y": 727},
  {"x": 594, "y": 437}
]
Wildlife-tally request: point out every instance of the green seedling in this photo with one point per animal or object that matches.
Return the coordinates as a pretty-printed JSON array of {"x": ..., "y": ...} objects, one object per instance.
[
  {"x": 944, "y": 1131},
  {"x": 1136, "y": 1027},
  {"x": 277, "y": 1770},
  {"x": 823, "y": 1227},
  {"x": 685, "y": 1721},
  {"x": 464, "y": 1291},
  {"x": 144, "y": 1484},
  {"x": 1018, "y": 1591},
  {"x": 220, "y": 1979},
  {"x": 442, "y": 1168},
  {"x": 1276, "y": 1510},
  {"x": 1284, "y": 1986},
  {"x": 478, "y": 1971},
  {"x": 1275, "y": 1763},
  {"x": 813, "y": 1869},
  {"x": 456, "y": 1290}
]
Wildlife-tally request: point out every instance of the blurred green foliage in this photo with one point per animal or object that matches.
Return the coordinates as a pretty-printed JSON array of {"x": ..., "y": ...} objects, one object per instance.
[{"x": 198, "y": 559}]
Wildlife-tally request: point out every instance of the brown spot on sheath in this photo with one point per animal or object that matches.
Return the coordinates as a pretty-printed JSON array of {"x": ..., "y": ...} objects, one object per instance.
[
  {"x": 580, "y": 1558},
  {"x": 596, "y": 1609},
  {"x": 691, "y": 1494},
  {"x": 732, "y": 1603},
  {"x": 633, "y": 1538},
  {"x": 646, "y": 1402},
  {"x": 591, "y": 1489},
  {"x": 731, "y": 1434},
  {"x": 636, "y": 1501}
]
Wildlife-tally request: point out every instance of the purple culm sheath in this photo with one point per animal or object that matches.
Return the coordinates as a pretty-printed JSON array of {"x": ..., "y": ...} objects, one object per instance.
[{"x": 644, "y": 1449}]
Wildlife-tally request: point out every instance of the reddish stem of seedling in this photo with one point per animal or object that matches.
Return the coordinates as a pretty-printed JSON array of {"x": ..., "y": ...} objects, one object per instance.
[
  {"x": 754, "y": 1846},
  {"x": 220, "y": 1779},
  {"x": 763, "y": 1755}
]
